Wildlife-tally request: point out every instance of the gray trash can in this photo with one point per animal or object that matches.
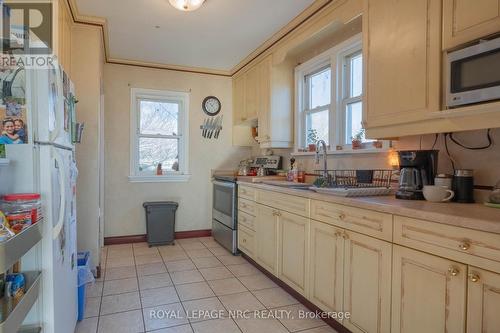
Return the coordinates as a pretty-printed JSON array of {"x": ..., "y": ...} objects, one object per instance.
[{"x": 160, "y": 222}]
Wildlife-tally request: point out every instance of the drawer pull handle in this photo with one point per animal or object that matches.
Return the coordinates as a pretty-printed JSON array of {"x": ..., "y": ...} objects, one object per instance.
[
  {"x": 244, "y": 240},
  {"x": 473, "y": 277},
  {"x": 453, "y": 271},
  {"x": 464, "y": 246},
  {"x": 345, "y": 235},
  {"x": 338, "y": 234},
  {"x": 276, "y": 213}
]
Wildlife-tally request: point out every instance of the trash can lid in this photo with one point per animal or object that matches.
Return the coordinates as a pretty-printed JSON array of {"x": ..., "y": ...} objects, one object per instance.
[{"x": 160, "y": 203}]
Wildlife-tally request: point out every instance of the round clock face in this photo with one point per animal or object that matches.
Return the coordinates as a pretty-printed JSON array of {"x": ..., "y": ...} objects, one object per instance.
[{"x": 211, "y": 105}]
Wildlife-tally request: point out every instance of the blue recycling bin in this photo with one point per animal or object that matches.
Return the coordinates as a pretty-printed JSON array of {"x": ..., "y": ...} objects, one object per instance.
[{"x": 84, "y": 277}]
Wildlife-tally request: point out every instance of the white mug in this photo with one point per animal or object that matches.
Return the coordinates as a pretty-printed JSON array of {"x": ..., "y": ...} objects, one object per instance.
[{"x": 437, "y": 193}]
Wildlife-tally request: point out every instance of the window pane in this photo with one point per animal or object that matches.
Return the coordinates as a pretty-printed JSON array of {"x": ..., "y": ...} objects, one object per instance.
[
  {"x": 159, "y": 117},
  {"x": 153, "y": 151},
  {"x": 353, "y": 121},
  {"x": 356, "y": 74},
  {"x": 319, "y": 89},
  {"x": 317, "y": 127}
]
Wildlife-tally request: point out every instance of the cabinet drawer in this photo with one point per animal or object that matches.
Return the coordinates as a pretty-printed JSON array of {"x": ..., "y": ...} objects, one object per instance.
[
  {"x": 461, "y": 244},
  {"x": 371, "y": 223},
  {"x": 289, "y": 203},
  {"x": 246, "y": 242},
  {"x": 246, "y": 206},
  {"x": 246, "y": 192},
  {"x": 246, "y": 220}
]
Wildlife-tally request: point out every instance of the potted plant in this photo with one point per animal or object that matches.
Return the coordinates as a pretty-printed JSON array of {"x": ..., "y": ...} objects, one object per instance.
[
  {"x": 378, "y": 144},
  {"x": 357, "y": 139},
  {"x": 312, "y": 138}
]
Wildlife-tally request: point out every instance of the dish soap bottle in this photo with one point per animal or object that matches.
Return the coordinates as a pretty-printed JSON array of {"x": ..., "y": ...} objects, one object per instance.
[{"x": 290, "y": 175}]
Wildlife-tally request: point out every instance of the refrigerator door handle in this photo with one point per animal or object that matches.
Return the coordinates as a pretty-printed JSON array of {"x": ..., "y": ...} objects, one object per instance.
[{"x": 62, "y": 184}]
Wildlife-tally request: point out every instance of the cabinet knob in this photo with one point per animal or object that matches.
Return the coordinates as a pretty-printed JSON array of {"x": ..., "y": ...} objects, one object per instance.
[
  {"x": 453, "y": 271},
  {"x": 464, "y": 246},
  {"x": 338, "y": 234},
  {"x": 473, "y": 277},
  {"x": 345, "y": 235},
  {"x": 342, "y": 216},
  {"x": 244, "y": 240}
]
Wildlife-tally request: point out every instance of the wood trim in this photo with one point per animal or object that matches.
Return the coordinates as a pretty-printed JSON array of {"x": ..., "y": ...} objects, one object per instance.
[
  {"x": 114, "y": 240},
  {"x": 331, "y": 322}
]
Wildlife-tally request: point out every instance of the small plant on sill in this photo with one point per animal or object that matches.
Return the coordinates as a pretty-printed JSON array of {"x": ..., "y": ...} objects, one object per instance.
[
  {"x": 357, "y": 139},
  {"x": 312, "y": 138}
]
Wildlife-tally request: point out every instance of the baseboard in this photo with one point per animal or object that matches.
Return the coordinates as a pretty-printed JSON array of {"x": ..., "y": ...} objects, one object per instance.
[
  {"x": 142, "y": 238},
  {"x": 330, "y": 321}
]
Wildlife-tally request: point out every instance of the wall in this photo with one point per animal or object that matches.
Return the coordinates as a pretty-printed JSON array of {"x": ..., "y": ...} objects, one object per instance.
[
  {"x": 86, "y": 64},
  {"x": 123, "y": 200}
]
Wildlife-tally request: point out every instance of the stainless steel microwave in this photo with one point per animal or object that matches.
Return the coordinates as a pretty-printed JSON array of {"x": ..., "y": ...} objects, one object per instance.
[{"x": 473, "y": 74}]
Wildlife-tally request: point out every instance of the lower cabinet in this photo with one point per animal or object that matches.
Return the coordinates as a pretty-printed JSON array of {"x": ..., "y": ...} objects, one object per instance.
[
  {"x": 246, "y": 241},
  {"x": 483, "y": 301},
  {"x": 428, "y": 293},
  {"x": 266, "y": 238},
  {"x": 367, "y": 283},
  {"x": 293, "y": 250}
]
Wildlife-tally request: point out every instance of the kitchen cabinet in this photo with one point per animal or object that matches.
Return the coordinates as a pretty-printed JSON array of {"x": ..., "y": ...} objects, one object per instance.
[
  {"x": 266, "y": 238},
  {"x": 293, "y": 250},
  {"x": 367, "y": 283},
  {"x": 239, "y": 113},
  {"x": 402, "y": 56},
  {"x": 483, "y": 301},
  {"x": 465, "y": 20},
  {"x": 428, "y": 293},
  {"x": 246, "y": 241},
  {"x": 326, "y": 259},
  {"x": 252, "y": 96}
]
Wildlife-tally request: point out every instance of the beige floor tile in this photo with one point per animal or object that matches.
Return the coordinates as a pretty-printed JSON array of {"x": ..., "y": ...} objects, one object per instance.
[
  {"x": 241, "y": 302},
  {"x": 193, "y": 246},
  {"x": 232, "y": 260},
  {"x": 257, "y": 282},
  {"x": 120, "y": 303},
  {"x": 259, "y": 325},
  {"x": 176, "y": 329},
  {"x": 203, "y": 253},
  {"x": 151, "y": 269},
  {"x": 170, "y": 249},
  {"x": 243, "y": 270},
  {"x": 164, "y": 316},
  {"x": 174, "y": 256},
  {"x": 123, "y": 322},
  {"x": 120, "y": 262},
  {"x": 206, "y": 262},
  {"x": 94, "y": 289},
  {"x": 194, "y": 291},
  {"x": 219, "y": 251},
  {"x": 204, "y": 309},
  {"x": 140, "y": 245},
  {"x": 141, "y": 251},
  {"x": 216, "y": 326},
  {"x": 147, "y": 259},
  {"x": 155, "y": 281},
  {"x": 88, "y": 325},
  {"x": 274, "y": 297},
  {"x": 295, "y": 322},
  {"x": 188, "y": 240},
  {"x": 322, "y": 329},
  {"x": 118, "y": 273},
  {"x": 92, "y": 305},
  {"x": 212, "y": 244},
  {"x": 205, "y": 239},
  {"x": 216, "y": 273},
  {"x": 120, "y": 286},
  {"x": 184, "y": 277},
  {"x": 180, "y": 265},
  {"x": 159, "y": 296},
  {"x": 116, "y": 254},
  {"x": 226, "y": 286}
]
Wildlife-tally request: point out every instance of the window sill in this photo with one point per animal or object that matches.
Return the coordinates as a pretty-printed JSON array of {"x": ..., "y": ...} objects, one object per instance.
[
  {"x": 160, "y": 179},
  {"x": 347, "y": 152}
]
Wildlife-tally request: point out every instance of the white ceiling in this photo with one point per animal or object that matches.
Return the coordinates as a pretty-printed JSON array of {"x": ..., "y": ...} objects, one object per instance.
[{"x": 217, "y": 36}]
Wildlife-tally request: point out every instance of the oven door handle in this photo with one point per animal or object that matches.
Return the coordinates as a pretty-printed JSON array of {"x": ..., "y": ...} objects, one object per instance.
[{"x": 224, "y": 184}]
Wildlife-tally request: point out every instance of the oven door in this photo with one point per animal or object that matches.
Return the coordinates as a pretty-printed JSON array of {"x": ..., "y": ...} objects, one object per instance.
[
  {"x": 474, "y": 74},
  {"x": 224, "y": 203}
]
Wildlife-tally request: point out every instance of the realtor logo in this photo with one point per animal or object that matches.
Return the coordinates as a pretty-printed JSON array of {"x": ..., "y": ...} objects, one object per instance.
[{"x": 26, "y": 28}]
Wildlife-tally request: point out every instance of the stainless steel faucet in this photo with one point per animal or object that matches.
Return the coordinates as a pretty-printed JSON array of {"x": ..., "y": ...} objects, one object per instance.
[{"x": 323, "y": 145}]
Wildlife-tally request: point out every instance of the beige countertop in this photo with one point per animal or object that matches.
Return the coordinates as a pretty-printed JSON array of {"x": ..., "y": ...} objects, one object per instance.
[{"x": 473, "y": 216}]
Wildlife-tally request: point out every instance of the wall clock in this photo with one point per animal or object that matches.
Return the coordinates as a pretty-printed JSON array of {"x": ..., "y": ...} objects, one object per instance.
[{"x": 211, "y": 105}]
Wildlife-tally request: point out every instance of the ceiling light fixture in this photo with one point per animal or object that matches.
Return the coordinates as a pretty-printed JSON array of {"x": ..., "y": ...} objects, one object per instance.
[{"x": 186, "y": 5}]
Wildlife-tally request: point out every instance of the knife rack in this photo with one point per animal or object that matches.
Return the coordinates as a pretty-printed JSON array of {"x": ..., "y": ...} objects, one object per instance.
[{"x": 211, "y": 127}]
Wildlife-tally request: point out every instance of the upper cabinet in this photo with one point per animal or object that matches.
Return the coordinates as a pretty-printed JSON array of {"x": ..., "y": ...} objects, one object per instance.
[
  {"x": 62, "y": 48},
  {"x": 239, "y": 111},
  {"x": 466, "y": 20},
  {"x": 402, "y": 52}
]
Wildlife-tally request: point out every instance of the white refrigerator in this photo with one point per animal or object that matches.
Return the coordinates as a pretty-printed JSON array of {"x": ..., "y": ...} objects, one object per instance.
[{"x": 46, "y": 165}]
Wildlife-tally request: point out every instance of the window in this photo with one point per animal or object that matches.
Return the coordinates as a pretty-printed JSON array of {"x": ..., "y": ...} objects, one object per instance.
[
  {"x": 329, "y": 90},
  {"x": 159, "y": 128}
]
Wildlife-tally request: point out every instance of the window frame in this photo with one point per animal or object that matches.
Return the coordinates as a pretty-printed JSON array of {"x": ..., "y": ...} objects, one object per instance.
[{"x": 182, "y": 98}]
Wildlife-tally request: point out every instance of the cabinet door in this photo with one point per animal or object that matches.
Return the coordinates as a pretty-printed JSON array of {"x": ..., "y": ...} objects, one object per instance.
[
  {"x": 483, "y": 301},
  {"x": 239, "y": 113},
  {"x": 428, "y": 293},
  {"x": 402, "y": 55},
  {"x": 326, "y": 266},
  {"x": 466, "y": 20},
  {"x": 252, "y": 92},
  {"x": 293, "y": 250},
  {"x": 367, "y": 283},
  {"x": 266, "y": 238},
  {"x": 264, "y": 100}
]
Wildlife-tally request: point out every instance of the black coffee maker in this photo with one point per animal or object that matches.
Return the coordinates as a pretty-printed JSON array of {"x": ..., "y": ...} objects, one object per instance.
[{"x": 417, "y": 168}]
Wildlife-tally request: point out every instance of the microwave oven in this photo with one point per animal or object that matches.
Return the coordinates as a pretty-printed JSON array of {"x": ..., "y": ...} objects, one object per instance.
[{"x": 473, "y": 74}]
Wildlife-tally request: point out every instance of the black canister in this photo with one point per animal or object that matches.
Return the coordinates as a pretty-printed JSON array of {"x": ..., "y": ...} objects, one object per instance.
[{"x": 463, "y": 185}]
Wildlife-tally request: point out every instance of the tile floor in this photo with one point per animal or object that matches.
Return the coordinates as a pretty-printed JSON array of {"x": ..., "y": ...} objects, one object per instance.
[{"x": 194, "y": 286}]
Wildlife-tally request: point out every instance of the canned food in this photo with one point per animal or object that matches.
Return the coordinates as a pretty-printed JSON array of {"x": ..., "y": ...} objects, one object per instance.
[{"x": 18, "y": 222}]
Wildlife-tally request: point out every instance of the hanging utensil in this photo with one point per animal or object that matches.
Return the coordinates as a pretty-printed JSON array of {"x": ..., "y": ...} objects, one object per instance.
[{"x": 219, "y": 128}]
